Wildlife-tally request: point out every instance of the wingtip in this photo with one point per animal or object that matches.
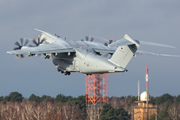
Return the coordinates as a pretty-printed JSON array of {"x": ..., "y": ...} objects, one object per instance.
[
  {"x": 167, "y": 55},
  {"x": 38, "y": 30},
  {"x": 172, "y": 47},
  {"x": 8, "y": 52},
  {"x": 126, "y": 35}
]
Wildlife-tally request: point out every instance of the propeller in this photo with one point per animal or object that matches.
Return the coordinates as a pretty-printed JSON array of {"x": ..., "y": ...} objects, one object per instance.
[
  {"x": 92, "y": 39},
  {"x": 110, "y": 41},
  {"x": 38, "y": 42},
  {"x": 21, "y": 55},
  {"x": 88, "y": 39},
  {"x": 105, "y": 44},
  {"x": 20, "y": 45}
]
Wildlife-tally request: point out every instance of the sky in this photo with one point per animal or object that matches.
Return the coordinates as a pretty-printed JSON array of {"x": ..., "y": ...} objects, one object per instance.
[{"x": 153, "y": 21}]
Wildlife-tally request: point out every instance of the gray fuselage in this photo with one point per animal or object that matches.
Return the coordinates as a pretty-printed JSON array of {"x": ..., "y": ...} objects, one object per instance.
[{"x": 84, "y": 62}]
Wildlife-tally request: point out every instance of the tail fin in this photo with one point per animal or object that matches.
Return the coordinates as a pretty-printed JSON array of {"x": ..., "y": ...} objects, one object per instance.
[{"x": 123, "y": 54}]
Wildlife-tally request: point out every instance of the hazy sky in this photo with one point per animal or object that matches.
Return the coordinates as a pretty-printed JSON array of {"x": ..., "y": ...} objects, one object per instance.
[{"x": 154, "y": 21}]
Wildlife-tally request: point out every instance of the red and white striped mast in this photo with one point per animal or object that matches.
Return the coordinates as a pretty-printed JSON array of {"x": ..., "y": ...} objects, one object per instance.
[{"x": 147, "y": 89}]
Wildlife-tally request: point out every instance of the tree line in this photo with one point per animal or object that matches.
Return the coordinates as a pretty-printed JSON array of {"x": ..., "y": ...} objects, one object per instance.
[{"x": 62, "y": 107}]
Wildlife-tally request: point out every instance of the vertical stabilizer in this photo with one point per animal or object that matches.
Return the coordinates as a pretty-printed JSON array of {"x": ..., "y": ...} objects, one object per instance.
[{"x": 123, "y": 54}]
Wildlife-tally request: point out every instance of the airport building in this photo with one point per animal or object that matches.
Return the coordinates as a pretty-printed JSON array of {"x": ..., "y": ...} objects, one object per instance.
[{"x": 140, "y": 109}]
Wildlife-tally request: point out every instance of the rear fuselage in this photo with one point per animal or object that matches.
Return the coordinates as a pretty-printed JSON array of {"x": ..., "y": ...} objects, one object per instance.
[{"x": 84, "y": 62}]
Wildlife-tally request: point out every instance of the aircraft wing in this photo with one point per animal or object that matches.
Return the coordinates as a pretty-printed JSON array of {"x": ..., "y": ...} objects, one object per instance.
[
  {"x": 98, "y": 47},
  {"x": 61, "y": 46},
  {"x": 55, "y": 47},
  {"x": 97, "y": 44}
]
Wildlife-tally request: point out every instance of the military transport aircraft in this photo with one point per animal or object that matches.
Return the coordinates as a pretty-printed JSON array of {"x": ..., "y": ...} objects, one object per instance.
[{"x": 89, "y": 56}]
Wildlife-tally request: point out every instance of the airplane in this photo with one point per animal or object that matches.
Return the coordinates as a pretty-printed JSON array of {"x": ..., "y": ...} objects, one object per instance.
[{"x": 92, "y": 55}]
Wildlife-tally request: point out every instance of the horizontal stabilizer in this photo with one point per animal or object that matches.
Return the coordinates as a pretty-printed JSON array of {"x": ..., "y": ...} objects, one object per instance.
[
  {"x": 167, "y": 55},
  {"x": 121, "y": 42},
  {"x": 127, "y": 40},
  {"x": 138, "y": 52},
  {"x": 154, "y": 44}
]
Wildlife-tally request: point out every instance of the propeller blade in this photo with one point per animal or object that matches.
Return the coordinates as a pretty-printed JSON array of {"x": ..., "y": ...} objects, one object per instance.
[
  {"x": 16, "y": 56},
  {"x": 16, "y": 43},
  {"x": 87, "y": 38},
  {"x": 105, "y": 44},
  {"x": 22, "y": 56},
  {"x": 42, "y": 40},
  {"x": 16, "y": 48},
  {"x": 34, "y": 41},
  {"x": 92, "y": 39},
  {"x": 110, "y": 41},
  {"x": 39, "y": 38},
  {"x": 21, "y": 39},
  {"x": 31, "y": 46},
  {"x": 26, "y": 42}
]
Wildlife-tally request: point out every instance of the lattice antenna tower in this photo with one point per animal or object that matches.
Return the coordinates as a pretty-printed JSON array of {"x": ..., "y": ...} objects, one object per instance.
[{"x": 96, "y": 89}]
